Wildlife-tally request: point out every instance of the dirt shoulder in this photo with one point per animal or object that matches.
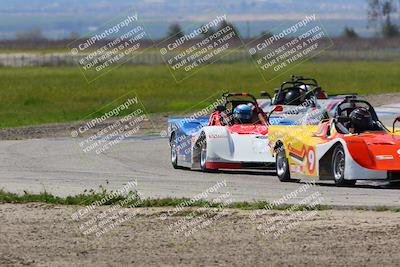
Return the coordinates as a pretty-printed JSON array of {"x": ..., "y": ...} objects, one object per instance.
[
  {"x": 154, "y": 124},
  {"x": 45, "y": 235}
]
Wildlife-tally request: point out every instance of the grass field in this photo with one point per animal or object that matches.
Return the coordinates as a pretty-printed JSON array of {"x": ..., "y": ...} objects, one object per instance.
[
  {"x": 34, "y": 51},
  {"x": 43, "y": 95},
  {"x": 132, "y": 199}
]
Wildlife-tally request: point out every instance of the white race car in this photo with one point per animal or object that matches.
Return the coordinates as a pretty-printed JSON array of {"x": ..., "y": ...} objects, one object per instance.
[
  {"x": 224, "y": 140},
  {"x": 302, "y": 100}
]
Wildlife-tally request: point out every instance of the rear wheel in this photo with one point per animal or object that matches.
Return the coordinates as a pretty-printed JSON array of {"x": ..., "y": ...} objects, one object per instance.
[
  {"x": 339, "y": 167},
  {"x": 282, "y": 166}
]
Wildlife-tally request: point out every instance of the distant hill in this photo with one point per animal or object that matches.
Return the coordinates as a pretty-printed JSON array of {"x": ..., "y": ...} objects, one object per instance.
[{"x": 58, "y": 18}]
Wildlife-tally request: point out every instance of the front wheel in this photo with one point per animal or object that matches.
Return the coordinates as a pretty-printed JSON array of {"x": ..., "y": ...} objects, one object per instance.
[
  {"x": 282, "y": 166},
  {"x": 174, "y": 153},
  {"x": 339, "y": 167},
  {"x": 203, "y": 155}
]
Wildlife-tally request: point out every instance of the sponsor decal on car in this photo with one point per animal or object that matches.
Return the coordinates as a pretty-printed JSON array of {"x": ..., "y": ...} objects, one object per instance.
[
  {"x": 297, "y": 169},
  {"x": 384, "y": 157}
]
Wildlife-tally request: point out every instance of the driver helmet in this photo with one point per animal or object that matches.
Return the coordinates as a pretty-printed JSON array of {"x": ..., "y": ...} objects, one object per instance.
[
  {"x": 361, "y": 119},
  {"x": 293, "y": 97},
  {"x": 243, "y": 113},
  {"x": 306, "y": 88}
]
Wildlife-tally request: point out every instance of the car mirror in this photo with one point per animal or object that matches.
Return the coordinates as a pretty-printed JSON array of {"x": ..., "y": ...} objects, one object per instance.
[
  {"x": 394, "y": 123},
  {"x": 220, "y": 108},
  {"x": 278, "y": 109}
]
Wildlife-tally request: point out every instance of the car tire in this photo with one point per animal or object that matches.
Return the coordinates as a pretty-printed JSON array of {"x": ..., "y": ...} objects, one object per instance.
[
  {"x": 338, "y": 167},
  {"x": 203, "y": 155},
  {"x": 174, "y": 152},
  {"x": 282, "y": 166}
]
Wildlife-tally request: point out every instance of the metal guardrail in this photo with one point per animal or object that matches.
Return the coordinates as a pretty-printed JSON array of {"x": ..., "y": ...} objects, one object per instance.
[
  {"x": 154, "y": 57},
  {"x": 66, "y": 59}
]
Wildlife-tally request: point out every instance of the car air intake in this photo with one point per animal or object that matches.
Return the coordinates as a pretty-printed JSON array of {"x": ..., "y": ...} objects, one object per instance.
[{"x": 394, "y": 175}]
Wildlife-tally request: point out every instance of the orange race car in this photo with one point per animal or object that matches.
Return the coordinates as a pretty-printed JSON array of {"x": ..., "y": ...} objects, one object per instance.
[{"x": 352, "y": 144}]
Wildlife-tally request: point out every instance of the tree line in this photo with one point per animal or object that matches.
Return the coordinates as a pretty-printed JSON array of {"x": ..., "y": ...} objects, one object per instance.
[
  {"x": 380, "y": 17},
  {"x": 379, "y": 13}
]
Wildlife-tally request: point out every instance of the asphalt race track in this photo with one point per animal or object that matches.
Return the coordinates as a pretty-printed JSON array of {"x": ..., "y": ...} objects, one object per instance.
[{"x": 59, "y": 166}]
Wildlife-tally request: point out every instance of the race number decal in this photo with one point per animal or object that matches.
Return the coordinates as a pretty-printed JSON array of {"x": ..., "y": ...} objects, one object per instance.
[{"x": 311, "y": 159}]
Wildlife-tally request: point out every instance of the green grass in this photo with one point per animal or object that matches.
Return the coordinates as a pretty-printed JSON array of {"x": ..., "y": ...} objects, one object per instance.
[
  {"x": 38, "y": 95},
  {"x": 89, "y": 197},
  {"x": 35, "y": 50},
  {"x": 92, "y": 196}
]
